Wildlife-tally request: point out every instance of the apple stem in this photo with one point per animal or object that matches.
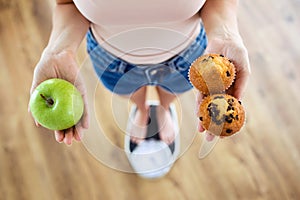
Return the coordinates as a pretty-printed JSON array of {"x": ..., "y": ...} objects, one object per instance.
[{"x": 49, "y": 101}]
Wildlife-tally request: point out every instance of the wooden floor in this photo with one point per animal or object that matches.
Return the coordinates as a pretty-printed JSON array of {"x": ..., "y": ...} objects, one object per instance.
[{"x": 263, "y": 162}]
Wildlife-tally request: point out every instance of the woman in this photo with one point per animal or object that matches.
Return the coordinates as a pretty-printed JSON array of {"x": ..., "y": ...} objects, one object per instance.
[{"x": 156, "y": 39}]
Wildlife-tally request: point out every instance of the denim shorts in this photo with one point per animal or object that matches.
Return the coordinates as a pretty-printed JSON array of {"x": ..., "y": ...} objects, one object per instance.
[{"x": 124, "y": 78}]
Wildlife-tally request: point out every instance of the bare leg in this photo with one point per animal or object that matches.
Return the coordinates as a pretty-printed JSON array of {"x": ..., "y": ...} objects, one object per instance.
[
  {"x": 164, "y": 118},
  {"x": 139, "y": 124}
]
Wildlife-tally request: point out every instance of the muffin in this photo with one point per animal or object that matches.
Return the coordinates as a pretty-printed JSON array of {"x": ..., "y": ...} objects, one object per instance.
[
  {"x": 212, "y": 73},
  {"x": 221, "y": 114}
]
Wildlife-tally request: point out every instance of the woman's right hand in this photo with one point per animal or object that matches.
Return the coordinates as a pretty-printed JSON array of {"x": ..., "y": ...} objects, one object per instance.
[{"x": 62, "y": 65}]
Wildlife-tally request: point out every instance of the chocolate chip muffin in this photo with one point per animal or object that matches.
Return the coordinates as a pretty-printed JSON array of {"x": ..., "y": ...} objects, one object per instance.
[
  {"x": 221, "y": 114},
  {"x": 212, "y": 73}
]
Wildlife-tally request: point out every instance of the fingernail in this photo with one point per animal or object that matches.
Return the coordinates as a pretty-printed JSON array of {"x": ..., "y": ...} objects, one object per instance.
[
  {"x": 209, "y": 137},
  {"x": 68, "y": 143},
  {"x": 58, "y": 140}
]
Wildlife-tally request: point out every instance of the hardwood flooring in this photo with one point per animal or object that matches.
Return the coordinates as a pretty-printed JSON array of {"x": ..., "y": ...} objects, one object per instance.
[{"x": 262, "y": 162}]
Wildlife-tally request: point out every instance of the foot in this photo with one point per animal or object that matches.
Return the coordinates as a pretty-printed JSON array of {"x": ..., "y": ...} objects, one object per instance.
[
  {"x": 165, "y": 125},
  {"x": 138, "y": 130}
]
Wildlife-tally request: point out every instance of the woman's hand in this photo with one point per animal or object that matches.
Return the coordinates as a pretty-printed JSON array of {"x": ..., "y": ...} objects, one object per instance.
[
  {"x": 230, "y": 45},
  {"x": 62, "y": 65}
]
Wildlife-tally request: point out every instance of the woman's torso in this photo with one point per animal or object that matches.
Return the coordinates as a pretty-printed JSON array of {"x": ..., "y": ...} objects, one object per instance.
[{"x": 143, "y": 31}]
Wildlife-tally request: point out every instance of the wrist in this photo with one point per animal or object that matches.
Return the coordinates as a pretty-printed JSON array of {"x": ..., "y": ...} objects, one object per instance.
[
  {"x": 49, "y": 52},
  {"x": 56, "y": 50},
  {"x": 223, "y": 32}
]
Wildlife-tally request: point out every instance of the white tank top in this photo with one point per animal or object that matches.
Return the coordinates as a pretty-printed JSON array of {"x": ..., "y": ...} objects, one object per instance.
[{"x": 143, "y": 31}]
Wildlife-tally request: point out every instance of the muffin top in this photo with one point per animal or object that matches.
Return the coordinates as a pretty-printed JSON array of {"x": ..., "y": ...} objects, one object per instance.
[
  {"x": 221, "y": 114},
  {"x": 212, "y": 73}
]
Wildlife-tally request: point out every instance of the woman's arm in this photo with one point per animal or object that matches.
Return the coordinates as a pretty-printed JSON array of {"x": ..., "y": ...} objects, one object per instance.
[
  {"x": 220, "y": 21},
  {"x": 219, "y": 17},
  {"x": 68, "y": 29},
  {"x": 58, "y": 60}
]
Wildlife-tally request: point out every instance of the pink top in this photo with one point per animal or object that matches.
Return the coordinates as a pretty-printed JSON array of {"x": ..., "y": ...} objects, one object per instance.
[{"x": 143, "y": 31}]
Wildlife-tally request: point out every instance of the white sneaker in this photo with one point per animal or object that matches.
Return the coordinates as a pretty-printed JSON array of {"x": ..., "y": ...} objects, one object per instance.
[{"x": 152, "y": 158}]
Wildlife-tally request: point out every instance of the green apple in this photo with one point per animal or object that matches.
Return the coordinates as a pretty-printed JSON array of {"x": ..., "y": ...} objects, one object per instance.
[{"x": 56, "y": 104}]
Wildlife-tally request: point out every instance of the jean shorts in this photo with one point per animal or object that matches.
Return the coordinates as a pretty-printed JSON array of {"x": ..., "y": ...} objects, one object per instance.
[{"x": 124, "y": 78}]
